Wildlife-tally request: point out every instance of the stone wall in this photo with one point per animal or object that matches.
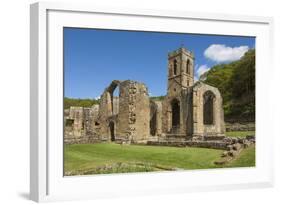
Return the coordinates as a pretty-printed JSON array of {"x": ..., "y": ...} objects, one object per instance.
[
  {"x": 247, "y": 126},
  {"x": 123, "y": 118},
  {"x": 155, "y": 118},
  {"x": 78, "y": 123},
  {"x": 230, "y": 144},
  {"x": 191, "y": 101},
  {"x": 142, "y": 113},
  {"x": 134, "y": 112},
  {"x": 200, "y": 129},
  {"x": 128, "y": 113},
  {"x": 132, "y": 117}
]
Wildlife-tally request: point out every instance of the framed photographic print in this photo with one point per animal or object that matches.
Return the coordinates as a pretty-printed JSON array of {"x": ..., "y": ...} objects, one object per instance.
[{"x": 127, "y": 102}]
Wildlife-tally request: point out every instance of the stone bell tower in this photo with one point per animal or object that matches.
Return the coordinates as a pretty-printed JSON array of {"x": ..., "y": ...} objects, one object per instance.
[{"x": 180, "y": 71}]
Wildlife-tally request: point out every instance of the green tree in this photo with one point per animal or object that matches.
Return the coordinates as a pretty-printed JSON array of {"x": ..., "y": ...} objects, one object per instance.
[
  {"x": 236, "y": 82},
  {"x": 68, "y": 102}
]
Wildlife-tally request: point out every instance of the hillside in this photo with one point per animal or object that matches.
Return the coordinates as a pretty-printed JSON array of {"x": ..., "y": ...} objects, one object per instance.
[
  {"x": 90, "y": 102},
  {"x": 236, "y": 82},
  {"x": 79, "y": 102}
]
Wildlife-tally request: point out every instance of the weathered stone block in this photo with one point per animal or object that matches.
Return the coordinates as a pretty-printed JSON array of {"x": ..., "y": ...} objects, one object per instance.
[{"x": 237, "y": 146}]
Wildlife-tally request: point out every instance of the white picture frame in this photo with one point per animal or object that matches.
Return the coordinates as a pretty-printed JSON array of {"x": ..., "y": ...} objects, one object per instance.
[{"x": 47, "y": 182}]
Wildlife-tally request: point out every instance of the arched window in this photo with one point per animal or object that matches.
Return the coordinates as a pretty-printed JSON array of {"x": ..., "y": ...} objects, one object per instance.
[
  {"x": 175, "y": 67},
  {"x": 188, "y": 66},
  {"x": 208, "y": 112},
  {"x": 115, "y": 100},
  {"x": 175, "y": 104}
]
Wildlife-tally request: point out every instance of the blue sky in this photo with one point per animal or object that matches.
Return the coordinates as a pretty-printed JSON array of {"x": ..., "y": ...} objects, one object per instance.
[{"x": 93, "y": 58}]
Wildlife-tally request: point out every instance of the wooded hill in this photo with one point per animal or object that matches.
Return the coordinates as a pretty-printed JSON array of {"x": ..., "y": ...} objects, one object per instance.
[
  {"x": 90, "y": 102},
  {"x": 79, "y": 102},
  {"x": 236, "y": 82}
]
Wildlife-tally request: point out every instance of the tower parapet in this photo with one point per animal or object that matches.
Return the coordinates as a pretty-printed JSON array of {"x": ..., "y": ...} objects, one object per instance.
[{"x": 180, "y": 70}]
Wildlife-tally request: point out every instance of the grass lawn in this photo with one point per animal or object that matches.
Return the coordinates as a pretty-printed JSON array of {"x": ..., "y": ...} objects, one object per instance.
[
  {"x": 246, "y": 158},
  {"x": 114, "y": 158},
  {"x": 239, "y": 133}
]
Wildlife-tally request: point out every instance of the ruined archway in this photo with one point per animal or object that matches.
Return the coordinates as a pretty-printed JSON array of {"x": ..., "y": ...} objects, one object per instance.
[
  {"x": 208, "y": 110},
  {"x": 112, "y": 131},
  {"x": 175, "y": 104},
  {"x": 114, "y": 92}
]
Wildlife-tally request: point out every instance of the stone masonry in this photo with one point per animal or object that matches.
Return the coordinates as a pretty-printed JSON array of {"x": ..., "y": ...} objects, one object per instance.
[{"x": 190, "y": 112}]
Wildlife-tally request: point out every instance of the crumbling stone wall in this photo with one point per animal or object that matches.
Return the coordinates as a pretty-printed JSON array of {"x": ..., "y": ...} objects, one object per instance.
[
  {"x": 155, "y": 118},
  {"x": 188, "y": 98},
  {"x": 139, "y": 112},
  {"x": 78, "y": 124},
  {"x": 244, "y": 126},
  {"x": 91, "y": 125},
  {"x": 192, "y": 126},
  {"x": 187, "y": 113},
  {"x": 185, "y": 124},
  {"x": 130, "y": 118},
  {"x": 74, "y": 128},
  {"x": 200, "y": 129},
  {"x": 134, "y": 110}
]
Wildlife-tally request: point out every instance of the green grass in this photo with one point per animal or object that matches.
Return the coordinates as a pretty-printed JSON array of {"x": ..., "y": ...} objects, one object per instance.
[
  {"x": 114, "y": 158},
  {"x": 246, "y": 158},
  {"x": 239, "y": 133}
]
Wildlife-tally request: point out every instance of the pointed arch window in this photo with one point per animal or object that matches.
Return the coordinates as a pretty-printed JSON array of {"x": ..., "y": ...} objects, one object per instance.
[
  {"x": 175, "y": 67},
  {"x": 208, "y": 112},
  {"x": 188, "y": 66}
]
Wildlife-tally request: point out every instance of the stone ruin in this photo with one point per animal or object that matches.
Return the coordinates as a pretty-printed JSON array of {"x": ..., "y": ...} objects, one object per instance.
[
  {"x": 122, "y": 119},
  {"x": 191, "y": 114}
]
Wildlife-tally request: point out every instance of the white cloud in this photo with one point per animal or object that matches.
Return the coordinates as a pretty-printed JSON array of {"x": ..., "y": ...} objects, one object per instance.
[
  {"x": 222, "y": 53},
  {"x": 97, "y": 98},
  {"x": 201, "y": 70}
]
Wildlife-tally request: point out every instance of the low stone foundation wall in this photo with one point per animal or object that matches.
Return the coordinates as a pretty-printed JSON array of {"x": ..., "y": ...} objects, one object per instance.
[
  {"x": 240, "y": 126},
  {"x": 216, "y": 138},
  {"x": 208, "y": 144},
  {"x": 173, "y": 138},
  {"x": 225, "y": 144},
  {"x": 75, "y": 141},
  {"x": 234, "y": 147},
  {"x": 202, "y": 144},
  {"x": 82, "y": 140}
]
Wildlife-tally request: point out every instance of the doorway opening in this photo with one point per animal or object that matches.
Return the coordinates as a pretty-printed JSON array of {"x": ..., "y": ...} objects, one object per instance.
[{"x": 112, "y": 133}]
